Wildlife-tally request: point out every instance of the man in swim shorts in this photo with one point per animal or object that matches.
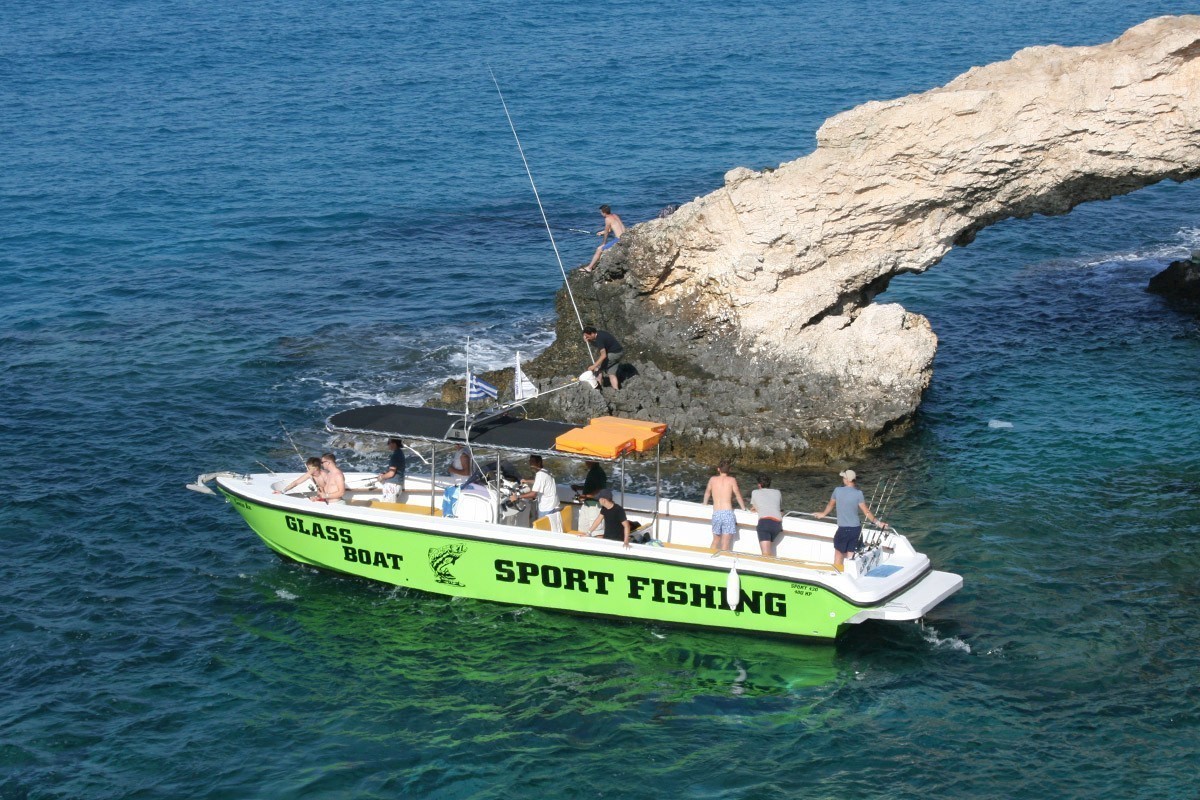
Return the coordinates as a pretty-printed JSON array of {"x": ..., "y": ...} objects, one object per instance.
[
  {"x": 849, "y": 501},
  {"x": 613, "y": 226},
  {"x": 723, "y": 488}
]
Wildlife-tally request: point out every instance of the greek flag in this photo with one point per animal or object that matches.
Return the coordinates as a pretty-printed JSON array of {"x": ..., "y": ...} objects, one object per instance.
[{"x": 477, "y": 389}]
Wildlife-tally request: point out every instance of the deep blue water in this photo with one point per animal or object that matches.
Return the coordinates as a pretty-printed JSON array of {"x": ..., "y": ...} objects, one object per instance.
[{"x": 217, "y": 217}]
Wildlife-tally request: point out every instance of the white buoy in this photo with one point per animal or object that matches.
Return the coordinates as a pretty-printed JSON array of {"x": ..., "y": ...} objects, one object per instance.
[{"x": 733, "y": 589}]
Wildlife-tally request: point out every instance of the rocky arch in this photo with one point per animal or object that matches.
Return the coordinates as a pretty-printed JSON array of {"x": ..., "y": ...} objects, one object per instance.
[{"x": 749, "y": 310}]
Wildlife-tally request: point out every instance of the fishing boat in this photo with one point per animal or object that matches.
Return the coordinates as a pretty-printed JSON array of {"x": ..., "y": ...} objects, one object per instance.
[{"x": 471, "y": 538}]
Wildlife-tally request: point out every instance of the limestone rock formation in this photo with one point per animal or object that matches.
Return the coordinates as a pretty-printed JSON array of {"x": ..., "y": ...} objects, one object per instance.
[{"x": 749, "y": 312}]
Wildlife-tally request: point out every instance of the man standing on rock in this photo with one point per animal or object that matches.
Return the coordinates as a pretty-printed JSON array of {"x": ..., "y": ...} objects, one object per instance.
[
  {"x": 723, "y": 488},
  {"x": 849, "y": 501},
  {"x": 612, "y": 225},
  {"x": 609, "y": 356}
]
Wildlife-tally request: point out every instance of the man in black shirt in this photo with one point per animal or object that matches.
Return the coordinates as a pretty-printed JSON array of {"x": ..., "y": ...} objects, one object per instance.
[
  {"x": 594, "y": 481},
  {"x": 616, "y": 524},
  {"x": 392, "y": 478},
  {"x": 610, "y": 353}
]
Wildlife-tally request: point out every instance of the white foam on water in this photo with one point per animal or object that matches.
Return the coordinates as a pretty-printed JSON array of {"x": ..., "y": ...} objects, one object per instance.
[
  {"x": 1188, "y": 241},
  {"x": 284, "y": 594},
  {"x": 930, "y": 635},
  {"x": 999, "y": 423},
  {"x": 1190, "y": 237}
]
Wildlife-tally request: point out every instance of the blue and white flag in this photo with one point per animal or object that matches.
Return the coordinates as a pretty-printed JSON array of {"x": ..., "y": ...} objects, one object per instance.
[{"x": 477, "y": 388}]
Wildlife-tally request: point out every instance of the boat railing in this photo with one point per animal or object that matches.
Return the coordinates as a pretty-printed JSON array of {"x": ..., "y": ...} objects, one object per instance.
[{"x": 871, "y": 536}]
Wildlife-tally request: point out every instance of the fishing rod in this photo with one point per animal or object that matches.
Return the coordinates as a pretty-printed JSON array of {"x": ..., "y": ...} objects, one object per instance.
[
  {"x": 877, "y": 492},
  {"x": 299, "y": 455},
  {"x": 545, "y": 220},
  {"x": 886, "y": 500}
]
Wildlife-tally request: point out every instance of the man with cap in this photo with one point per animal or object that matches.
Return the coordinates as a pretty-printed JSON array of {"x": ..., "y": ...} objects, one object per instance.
[
  {"x": 616, "y": 524},
  {"x": 849, "y": 500}
]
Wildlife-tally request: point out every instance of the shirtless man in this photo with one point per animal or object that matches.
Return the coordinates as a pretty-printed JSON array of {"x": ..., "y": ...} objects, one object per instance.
[
  {"x": 333, "y": 489},
  {"x": 723, "y": 488},
  {"x": 312, "y": 471},
  {"x": 461, "y": 463},
  {"x": 612, "y": 225}
]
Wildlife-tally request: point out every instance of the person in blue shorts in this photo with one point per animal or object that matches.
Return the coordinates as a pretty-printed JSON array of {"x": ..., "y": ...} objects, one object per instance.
[
  {"x": 612, "y": 227},
  {"x": 723, "y": 489},
  {"x": 849, "y": 501}
]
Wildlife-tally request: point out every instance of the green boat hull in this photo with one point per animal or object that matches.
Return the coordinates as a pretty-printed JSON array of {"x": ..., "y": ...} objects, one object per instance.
[{"x": 641, "y": 584}]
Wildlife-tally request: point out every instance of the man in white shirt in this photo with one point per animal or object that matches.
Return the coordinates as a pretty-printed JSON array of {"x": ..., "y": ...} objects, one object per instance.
[{"x": 545, "y": 492}]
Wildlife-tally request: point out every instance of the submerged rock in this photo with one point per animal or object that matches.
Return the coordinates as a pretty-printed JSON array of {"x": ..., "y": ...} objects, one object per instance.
[
  {"x": 1179, "y": 281},
  {"x": 749, "y": 313}
]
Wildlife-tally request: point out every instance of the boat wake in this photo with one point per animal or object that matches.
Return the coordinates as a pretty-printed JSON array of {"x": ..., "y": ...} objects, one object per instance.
[{"x": 930, "y": 635}]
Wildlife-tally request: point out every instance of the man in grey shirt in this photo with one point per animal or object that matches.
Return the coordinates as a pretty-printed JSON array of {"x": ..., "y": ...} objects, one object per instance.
[
  {"x": 849, "y": 501},
  {"x": 767, "y": 503}
]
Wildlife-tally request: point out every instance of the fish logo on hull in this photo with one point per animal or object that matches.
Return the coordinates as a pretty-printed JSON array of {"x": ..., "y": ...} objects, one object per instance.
[{"x": 441, "y": 559}]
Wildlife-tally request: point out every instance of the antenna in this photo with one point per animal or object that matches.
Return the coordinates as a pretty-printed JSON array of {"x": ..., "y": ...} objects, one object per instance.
[{"x": 538, "y": 197}]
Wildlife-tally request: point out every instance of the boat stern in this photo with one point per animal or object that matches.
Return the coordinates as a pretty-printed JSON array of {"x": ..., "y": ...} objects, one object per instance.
[{"x": 916, "y": 601}]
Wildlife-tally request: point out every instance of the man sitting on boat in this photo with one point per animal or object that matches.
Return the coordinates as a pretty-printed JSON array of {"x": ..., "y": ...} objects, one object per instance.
[
  {"x": 312, "y": 467},
  {"x": 462, "y": 465},
  {"x": 333, "y": 489},
  {"x": 392, "y": 478}
]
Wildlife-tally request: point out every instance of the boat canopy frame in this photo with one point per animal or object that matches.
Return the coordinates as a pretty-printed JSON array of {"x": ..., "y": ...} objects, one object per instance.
[{"x": 493, "y": 429}]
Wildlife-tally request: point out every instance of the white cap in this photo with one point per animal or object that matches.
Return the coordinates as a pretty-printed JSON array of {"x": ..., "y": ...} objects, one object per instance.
[{"x": 848, "y": 474}]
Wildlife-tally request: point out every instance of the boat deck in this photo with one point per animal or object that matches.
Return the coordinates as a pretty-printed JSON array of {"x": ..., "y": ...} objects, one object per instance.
[{"x": 788, "y": 552}]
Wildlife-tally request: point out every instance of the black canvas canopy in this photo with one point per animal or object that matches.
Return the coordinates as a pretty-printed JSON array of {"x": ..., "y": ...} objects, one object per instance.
[{"x": 501, "y": 432}]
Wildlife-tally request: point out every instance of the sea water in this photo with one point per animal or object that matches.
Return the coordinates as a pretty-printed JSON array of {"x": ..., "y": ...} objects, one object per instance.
[{"x": 219, "y": 221}]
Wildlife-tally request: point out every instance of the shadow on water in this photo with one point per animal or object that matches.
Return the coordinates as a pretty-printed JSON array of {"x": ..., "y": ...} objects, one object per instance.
[{"x": 390, "y": 633}]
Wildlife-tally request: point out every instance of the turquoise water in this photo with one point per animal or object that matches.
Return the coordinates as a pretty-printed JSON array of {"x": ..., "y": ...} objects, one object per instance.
[{"x": 218, "y": 217}]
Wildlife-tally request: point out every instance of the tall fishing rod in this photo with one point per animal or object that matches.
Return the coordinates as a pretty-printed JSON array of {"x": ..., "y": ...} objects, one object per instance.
[
  {"x": 538, "y": 197},
  {"x": 299, "y": 455},
  {"x": 886, "y": 500},
  {"x": 875, "y": 492}
]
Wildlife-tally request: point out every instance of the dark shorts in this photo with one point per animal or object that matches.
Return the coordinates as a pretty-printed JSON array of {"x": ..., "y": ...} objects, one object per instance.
[
  {"x": 768, "y": 529},
  {"x": 610, "y": 361},
  {"x": 846, "y": 539}
]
